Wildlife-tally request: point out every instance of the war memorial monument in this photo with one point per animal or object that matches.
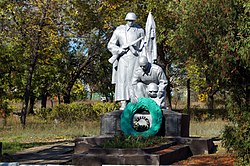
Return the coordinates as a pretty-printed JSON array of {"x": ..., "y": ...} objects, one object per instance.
[{"x": 140, "y": 88}]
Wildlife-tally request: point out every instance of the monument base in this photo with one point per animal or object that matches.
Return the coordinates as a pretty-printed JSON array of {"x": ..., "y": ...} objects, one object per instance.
[
  {"x": 175, "y": 128},
  {"x": 173, "y": 124},
  {"x": 163, "y": 154},
  {"x": 110, "y": 123}
]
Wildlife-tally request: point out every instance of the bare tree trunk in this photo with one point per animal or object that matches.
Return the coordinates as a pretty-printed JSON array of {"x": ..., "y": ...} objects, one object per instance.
[
  {"x": 210, "y": 101},
  {"x": 74, "y": 77},
  {"x": 32, "y": 104},
  {"x": 188, "y": 97},
  {"x": 247, "y": 96},
  {"x": 59, "y": 97},
  {"x": 27, "y": 92},
  {"x": 44, "y": 100},
  {"x": 66, "y": 96},
  {"x": 168, "y": 96},
  {"x": 34, "y": 56}
]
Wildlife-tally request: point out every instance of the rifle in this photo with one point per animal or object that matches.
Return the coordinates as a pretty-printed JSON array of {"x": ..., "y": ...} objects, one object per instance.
[{"x": 115, "y": 56}]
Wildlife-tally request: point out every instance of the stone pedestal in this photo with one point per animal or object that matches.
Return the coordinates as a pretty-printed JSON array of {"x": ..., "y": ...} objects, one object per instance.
[
  {"x": 110, "y": 123},
  {"x": 173, "y": 124},
  {"x": 176, "y": 124}
]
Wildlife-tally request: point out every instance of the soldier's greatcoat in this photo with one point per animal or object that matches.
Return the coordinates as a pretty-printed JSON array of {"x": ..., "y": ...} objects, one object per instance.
[{"x": 124, "y": 66}]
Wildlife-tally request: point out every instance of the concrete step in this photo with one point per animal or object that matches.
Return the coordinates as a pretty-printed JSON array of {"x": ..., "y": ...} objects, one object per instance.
[
  {"x": 134, "y": 156},
  {"x": 173, "y": 154}
]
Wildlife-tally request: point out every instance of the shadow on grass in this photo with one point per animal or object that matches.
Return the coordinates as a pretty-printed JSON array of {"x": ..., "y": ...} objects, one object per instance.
[
  {"x": 14, "y": 147},
  {"x": 10, "y": 148}
]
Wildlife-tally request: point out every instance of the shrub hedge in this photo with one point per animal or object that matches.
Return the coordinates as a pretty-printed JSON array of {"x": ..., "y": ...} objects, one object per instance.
[{"x": 76, "y": 111}]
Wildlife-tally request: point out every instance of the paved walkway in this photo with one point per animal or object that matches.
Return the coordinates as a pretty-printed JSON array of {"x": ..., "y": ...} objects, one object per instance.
[{"x": 55, "y": 154}]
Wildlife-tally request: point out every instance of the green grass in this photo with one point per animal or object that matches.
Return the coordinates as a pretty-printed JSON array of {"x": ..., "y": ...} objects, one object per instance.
[
  {"x": 13, "y": 147},
  {"x": 38, "y": 132},
  {"x": 208, "y": 128},
  {"x": 134, "y": 142}
]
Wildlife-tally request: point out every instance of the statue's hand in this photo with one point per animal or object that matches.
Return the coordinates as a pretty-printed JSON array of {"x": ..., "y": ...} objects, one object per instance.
[
  {"x": 122, "y": 51},
  {"x": 132, "y": 49}
]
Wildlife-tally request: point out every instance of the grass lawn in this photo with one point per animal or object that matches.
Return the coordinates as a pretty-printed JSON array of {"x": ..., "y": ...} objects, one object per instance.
[
  {"x": 208, "y": 128},
  {"x": 38, "y": 132}
]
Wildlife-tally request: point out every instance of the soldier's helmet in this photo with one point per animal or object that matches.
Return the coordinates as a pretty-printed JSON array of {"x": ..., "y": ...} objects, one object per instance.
[{"x": 130, "y": 16}]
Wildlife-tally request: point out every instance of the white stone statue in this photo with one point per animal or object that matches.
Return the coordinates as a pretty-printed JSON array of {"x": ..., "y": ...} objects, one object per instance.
[
  {"x": 158, "y": 93},
  {"x": 125, "y": 45},
  {"x": 144, "y": 75},
  {"x": 150, "y": 39}
]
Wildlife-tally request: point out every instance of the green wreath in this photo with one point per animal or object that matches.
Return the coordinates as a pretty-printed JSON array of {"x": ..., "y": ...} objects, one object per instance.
[{"x": 143, "y": 104}]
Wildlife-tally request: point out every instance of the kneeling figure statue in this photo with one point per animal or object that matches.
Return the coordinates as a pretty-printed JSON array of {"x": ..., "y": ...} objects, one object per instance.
[{"x": 149, "y": 80}]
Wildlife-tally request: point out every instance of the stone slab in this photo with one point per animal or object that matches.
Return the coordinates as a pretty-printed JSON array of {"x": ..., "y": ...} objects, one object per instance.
[
  {"x": 130, "y": 151},
  {"x": 198, "y": 145},
  {"x": 136, "y": 157},
  {"x": 160, "y": 147},
  {"x": 179, "y": 152},
  {"x": 176, "y": 124},
  {"x": 110, "y": 123},
  {"x": 83, "y": 144}
]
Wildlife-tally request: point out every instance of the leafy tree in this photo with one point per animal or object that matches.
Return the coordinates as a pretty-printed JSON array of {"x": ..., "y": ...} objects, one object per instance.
[
  {"x": 35, "y": 27},
  {"x": 85, "y": 38},
  {"x": 12, "y": 64},
  {"x": 98, "y": 74},
  {"x": 75, "y": 63},
  {"x": 203, "y": 25},
  {"x": 236, "y": 72},
  {"x": 214, "y": 34}
]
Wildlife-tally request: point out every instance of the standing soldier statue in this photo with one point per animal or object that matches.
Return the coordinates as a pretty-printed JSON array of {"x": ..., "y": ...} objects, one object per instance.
[{"x": 125, "y": 45}]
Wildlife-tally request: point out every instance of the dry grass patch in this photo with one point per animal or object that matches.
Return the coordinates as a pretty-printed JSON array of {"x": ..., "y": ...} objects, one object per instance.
[{"x": 208, "y": 128}]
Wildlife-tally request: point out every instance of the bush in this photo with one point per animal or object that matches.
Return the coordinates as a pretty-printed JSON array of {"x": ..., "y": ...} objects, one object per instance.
[
  {"x": 100, "y": 108},
  {"x": 72, "y": 112},
  {"x": 76, "y": 111},
  {"x": 236, "y": 136},
  {"x": 44, "y": 113},
  {"x": 5, "y": 108}
]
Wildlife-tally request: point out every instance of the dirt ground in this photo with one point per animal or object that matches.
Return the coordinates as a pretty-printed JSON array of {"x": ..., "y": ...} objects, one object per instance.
[{"x": 211, "y": 160}]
